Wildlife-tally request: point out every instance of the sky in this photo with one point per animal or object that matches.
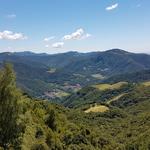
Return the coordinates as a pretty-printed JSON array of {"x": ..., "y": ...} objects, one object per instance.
[{"x": 56, "y": 26}]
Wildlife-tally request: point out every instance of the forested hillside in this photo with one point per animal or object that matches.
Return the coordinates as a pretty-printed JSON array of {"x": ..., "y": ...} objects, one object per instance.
[
  {"x": 51, "y": 76},
  {"x": 30, "y": 124},
  {"x": 136, "y": 77}
]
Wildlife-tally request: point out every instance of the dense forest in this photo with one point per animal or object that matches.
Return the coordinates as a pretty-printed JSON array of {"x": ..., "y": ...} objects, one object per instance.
[
  {"x": 39, "y": 74},
  {"x": 97, "y": 117}
]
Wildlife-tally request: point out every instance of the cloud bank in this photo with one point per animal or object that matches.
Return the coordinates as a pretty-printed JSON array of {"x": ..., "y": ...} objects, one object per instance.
[
  {"x": 77, "y": 35},
  {"x": 9, "y": 35}
]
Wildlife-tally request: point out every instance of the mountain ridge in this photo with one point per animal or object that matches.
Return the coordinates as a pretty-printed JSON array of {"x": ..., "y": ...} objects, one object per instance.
[
  {"x": 47, "y": 72},
  {"x": 30, "y": 52}
]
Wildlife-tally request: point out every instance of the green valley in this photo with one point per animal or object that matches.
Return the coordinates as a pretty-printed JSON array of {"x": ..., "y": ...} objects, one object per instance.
[{"x": 97, "y": 117}]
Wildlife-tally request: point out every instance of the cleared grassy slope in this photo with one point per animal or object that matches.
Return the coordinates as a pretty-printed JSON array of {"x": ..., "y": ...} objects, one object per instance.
[
  {"x": 97, "y": 108},
  {"x": 104, "y": 87},
  {"x": 100, "y": 93},
  {"x": 121, "y": 128}
]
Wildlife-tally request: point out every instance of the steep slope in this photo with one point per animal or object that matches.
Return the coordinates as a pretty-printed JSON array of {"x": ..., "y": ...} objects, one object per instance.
[
  {"x": 119, "y": 128},
  {"x": 110, "y": 63},
  {"x": 100, "y": 93},
  {"x": 39, "y": 125},
  {"x": 40, "y": 73},
  {"x": 138, "y": 76}
]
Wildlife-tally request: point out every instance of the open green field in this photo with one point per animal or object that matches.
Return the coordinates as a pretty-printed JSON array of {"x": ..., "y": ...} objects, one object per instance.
[
  {"x": 146, "y": 83},
  {"x": 104, "y": 87},
  {"x": 97, "y": 108}
]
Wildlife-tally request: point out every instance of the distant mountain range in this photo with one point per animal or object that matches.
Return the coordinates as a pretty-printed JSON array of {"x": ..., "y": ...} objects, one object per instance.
[{"x": 39, "y": 73}]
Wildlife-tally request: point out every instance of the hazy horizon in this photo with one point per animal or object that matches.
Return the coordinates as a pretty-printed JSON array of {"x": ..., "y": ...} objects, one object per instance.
[{"x": 32, "y": 51}]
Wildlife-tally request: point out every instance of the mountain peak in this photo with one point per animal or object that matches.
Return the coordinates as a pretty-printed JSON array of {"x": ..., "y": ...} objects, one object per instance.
[{"x": 118, "y": 51}]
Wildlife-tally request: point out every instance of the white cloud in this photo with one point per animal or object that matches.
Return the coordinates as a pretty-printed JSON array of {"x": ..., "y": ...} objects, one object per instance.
[
  {"x": 114, "y": 6},
  {"x": 58, "y": 45},
  {"x": 77, "y": 35},
  {"x": 11, "y": 16},
  {"x": 47, "y": 46},
  {"x": 74, "y": 36},
  {"x": 87, "y": 35},
  {"x": 9, "y": 35},
  {"x": 47, "y": 39}
]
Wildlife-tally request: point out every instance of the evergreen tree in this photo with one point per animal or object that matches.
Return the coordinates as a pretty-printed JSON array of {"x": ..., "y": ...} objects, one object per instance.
[
  {"x": 51, "y": 120},
  {"x": 9, "y": 107}
]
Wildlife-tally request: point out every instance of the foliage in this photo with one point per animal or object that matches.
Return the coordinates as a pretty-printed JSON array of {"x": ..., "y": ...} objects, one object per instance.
[
  {"x": 125, "y": 126},
  {"x": 39, "y": 73},
  {"x": 9, "y": 107}
]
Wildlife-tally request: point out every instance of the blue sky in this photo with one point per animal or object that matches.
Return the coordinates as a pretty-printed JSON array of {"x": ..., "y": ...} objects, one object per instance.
[{"x": 55, "y": 26}]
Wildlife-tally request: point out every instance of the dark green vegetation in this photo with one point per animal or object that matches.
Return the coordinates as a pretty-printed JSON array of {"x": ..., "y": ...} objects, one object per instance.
[
  {"x": 10, "y": 108},
  {"x": 92, "y": 94},
  {"x": 136, "y": 77},
  {"x": 39, "y": 125},
  {"x": 66, "y": 72}
]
